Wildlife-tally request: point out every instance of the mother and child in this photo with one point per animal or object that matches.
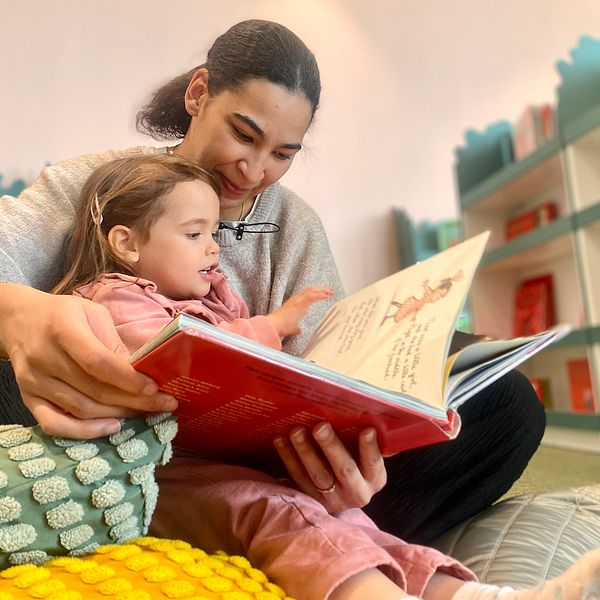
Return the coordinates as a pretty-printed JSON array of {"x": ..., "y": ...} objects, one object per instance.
[{"x": 238, "y": 121}]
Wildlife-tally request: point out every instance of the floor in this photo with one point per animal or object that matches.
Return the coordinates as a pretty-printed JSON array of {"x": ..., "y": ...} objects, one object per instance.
[{"x": 556, "y": 465}]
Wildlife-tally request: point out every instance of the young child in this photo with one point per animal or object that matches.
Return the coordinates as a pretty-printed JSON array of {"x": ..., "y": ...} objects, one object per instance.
[{"x": 143, "y": 247}]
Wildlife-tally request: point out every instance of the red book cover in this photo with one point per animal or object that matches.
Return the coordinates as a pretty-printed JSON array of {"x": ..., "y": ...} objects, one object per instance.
[
  {"x": 233, "y": 401},
  {"x": 534, "y": 306},
  {"x": 236, "y": 395},
  {"x": 580, "y": 385}
]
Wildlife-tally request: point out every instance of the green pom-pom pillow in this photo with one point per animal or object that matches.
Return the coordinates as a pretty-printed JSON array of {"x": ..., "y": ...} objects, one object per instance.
[{"x": 67, "y": 497}]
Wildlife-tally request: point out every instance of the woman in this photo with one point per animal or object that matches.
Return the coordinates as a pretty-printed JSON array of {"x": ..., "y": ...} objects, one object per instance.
[{"x": 242, "y": 115}]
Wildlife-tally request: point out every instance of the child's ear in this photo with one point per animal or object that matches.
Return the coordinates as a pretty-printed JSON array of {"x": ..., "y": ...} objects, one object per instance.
[{"x": 124, "y": 243}]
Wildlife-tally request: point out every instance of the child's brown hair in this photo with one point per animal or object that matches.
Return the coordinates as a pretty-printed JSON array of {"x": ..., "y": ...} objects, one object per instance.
[{"x": 126, "y": 191}]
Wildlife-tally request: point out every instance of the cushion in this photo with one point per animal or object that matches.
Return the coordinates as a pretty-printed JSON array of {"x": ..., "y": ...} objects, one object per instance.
[
  {"x": 527, "y": 539},
  {"x": 141, "y": 569},
  {"x": 60, "y": 496}
]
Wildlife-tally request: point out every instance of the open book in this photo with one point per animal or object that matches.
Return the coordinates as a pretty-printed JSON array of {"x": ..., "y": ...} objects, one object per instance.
[{"x": 380, "y": 357}]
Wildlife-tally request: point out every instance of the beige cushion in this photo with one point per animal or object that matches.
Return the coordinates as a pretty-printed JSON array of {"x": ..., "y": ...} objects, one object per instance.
[{"x": 527, "y": 539}]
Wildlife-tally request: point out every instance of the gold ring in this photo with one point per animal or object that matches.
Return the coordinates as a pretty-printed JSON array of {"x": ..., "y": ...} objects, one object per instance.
[{"x": 329, "y": 490}]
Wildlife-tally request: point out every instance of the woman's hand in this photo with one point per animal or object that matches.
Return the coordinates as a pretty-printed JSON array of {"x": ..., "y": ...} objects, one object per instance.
[
  {"x": 323, "y": 468},
  {"x": 70, "y": 364}
]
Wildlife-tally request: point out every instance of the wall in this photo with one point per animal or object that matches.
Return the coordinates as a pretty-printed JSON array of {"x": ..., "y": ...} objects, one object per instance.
[{"x": 402, "y": 80}]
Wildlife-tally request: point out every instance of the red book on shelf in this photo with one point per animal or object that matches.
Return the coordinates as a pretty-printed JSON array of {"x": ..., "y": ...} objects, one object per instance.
[
  {"x": 521, "y": 224},
  {"x": 530, "y": 220},
  {"x": 534, "y": 306},
  {"x": 580, "y": 385},
  {"x": 542, "y": 390}
]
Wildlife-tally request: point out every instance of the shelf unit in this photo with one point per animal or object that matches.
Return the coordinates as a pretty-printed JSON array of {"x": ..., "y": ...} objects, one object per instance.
[{"x": 566, "y": 170}]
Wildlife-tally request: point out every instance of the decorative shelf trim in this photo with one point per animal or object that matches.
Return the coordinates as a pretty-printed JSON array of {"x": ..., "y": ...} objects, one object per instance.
[
  {"x": 577, "y": 337},
  {"x": 509, "y": 173},
  {"x": 577, "y": 112},
  {"x": 574, "y": 420},
  {"x": 570, "y": 131}
]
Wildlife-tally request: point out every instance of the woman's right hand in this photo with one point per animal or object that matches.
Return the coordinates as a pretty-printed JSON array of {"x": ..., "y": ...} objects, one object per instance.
[
  {"x": 322, "y": 467},
  {"x": 70, "y": 364}
]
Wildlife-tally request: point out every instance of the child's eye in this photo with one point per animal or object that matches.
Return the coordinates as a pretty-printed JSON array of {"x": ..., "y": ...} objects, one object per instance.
[
  {"x": 193, "y": 236},
  {"x": 215, "y": 235},
  {"x": 282, "y": 156}
]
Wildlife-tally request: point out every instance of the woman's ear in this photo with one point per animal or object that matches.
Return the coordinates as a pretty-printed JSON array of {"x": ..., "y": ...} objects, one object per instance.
[
  {"x": 197, "y": 91},
  {"x": 124, "y": 243}
]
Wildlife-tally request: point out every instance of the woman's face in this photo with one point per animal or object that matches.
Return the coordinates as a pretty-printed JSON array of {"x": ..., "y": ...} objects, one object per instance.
[{"x": 247, "y": 137}]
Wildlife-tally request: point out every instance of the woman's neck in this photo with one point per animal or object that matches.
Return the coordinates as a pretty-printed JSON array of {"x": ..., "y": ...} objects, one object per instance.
[{"x": 237, "y": 213}]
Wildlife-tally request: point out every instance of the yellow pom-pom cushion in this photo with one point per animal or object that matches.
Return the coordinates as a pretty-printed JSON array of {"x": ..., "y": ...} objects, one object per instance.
[{"x": 142, "y": 569}]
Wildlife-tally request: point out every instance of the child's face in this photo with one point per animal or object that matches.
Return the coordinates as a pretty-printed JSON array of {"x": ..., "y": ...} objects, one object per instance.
[{"x": 180, "y": 254}]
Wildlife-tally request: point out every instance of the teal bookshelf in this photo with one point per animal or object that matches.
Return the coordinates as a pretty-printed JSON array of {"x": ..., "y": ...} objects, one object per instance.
[{"x": 494, "y": 188}]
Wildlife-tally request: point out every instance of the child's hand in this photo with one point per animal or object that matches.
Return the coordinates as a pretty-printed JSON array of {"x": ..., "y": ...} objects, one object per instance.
[{"x": 286, "y": 319}]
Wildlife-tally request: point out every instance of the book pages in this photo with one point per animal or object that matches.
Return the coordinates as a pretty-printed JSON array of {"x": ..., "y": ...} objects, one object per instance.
[{"x": 395, "y": 333}]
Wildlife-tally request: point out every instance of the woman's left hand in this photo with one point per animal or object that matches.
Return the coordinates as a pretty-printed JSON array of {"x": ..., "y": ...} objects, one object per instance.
[{"x": 323, "y": 468}]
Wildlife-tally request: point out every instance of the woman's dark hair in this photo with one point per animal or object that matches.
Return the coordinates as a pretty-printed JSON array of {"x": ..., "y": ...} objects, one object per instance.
[{"x": 253, "y": 49}]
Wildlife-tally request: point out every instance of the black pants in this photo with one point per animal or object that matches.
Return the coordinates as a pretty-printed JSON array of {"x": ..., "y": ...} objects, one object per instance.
[
  {"x": 12, "y": 409},
  {"x": 431, "y": 489}
]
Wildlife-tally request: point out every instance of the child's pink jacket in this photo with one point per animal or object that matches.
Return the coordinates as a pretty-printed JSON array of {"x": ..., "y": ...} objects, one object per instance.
[{"x": 139, "y": 311}]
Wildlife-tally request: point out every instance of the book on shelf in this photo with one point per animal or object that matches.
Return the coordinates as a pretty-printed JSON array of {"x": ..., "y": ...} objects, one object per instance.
[
  {"x": 580, "y": 385},
  {"x": 534, "y": 127},
  {"x": 541, "y": 386},
  {"x": 381, "y": 357},
  {"x": 534, "y": 306},
  {"x": 531, "y": 220}
]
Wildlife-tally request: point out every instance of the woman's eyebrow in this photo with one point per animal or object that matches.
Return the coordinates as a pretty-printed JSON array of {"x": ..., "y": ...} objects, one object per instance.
[{"x": 257, "y": 129}]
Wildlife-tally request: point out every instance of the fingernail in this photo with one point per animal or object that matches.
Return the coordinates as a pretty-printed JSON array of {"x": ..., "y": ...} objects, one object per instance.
[
  {"x": 298, "y": 435},
  {"x": 280, "y": 442},
  {"x": 150, "y": 389},
  {"x": 370, "y": 435},
  {"x": 171, "y": 404},
  {"x": 113, "y": 428},
  {"x": 322, "y": 431}
]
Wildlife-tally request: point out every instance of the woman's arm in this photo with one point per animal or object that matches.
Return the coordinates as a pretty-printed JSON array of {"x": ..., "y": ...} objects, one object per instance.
[{"x": 70, "y": 364}]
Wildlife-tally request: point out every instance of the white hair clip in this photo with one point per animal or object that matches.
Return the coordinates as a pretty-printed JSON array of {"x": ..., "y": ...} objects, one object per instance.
[{"x": 95, "y": 211}]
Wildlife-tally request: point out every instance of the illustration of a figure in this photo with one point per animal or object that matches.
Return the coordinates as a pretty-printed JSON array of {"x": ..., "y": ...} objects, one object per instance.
[{"x": 412, "y": 305}]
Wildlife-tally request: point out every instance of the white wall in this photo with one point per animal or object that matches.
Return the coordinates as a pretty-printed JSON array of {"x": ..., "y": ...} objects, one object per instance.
[{"x": 402, "y": 80}]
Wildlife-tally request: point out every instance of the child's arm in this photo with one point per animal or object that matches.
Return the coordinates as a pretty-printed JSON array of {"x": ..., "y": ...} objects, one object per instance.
[{"x": 286, "y": 319}]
